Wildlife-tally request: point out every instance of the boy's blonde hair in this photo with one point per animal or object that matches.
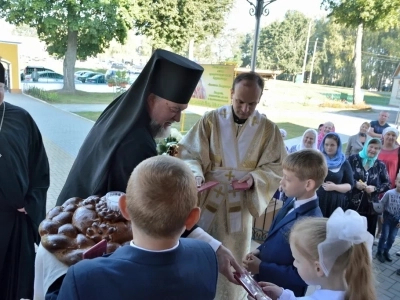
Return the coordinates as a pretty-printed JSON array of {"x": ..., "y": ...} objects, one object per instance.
[
  {"x": 307, "y": 164},
  {"x": 355, "y": 263},
  {"x": 160, "y": 195}
]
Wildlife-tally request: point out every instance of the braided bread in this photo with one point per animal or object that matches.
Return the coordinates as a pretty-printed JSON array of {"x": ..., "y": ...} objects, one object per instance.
[{"x": 71, "y": 229}]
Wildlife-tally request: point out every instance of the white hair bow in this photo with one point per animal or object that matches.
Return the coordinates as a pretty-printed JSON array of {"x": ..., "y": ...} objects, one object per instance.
[{"x": 343, "y": 229}]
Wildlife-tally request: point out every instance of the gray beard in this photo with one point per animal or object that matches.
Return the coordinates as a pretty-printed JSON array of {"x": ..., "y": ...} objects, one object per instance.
[{"x": 158, "y": 132}]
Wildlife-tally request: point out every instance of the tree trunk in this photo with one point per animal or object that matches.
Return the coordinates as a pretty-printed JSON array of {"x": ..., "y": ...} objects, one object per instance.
[
  {"x": 69, "y": 62},
  {"x": 191, "y": 49},
  {"x": 357, "y": 94}
]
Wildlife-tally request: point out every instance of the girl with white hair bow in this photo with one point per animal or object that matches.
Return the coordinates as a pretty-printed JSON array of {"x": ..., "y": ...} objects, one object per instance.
[{"x": 333, "y": 253}]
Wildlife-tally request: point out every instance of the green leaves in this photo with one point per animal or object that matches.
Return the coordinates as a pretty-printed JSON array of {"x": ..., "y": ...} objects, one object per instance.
[
  {"x": 374, "y": 14},
  {"x": 173, "y": 23},
  {"x": 281, "y": 44},
  {"x": 97, "y": 22}
]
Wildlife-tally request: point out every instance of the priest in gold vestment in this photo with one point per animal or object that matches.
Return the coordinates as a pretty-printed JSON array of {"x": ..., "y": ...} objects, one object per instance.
[{"x": 235, "y": 142}]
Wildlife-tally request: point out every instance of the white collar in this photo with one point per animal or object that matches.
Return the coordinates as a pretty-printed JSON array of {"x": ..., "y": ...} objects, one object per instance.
[
  {"x": 165, "y": 250},
  {"x": 298, "y": 203}
]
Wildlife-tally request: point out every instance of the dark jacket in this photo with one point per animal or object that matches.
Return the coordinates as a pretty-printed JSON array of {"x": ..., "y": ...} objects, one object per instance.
[
  {"x": 275, "y": 254},
  {"x": 187, "y": 272}
]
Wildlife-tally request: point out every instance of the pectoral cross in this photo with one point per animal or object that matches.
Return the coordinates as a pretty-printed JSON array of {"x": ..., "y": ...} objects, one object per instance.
[
  {"x": 254, "y": 121},
  {"x": 230, "y": 175},
  {"x": 223, "y": 113}
]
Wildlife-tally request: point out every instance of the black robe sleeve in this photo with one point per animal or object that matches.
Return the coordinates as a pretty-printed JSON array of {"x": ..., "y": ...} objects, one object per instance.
[
  {"x": 348, "y": 174},
  {"x": 39, "y": 177},
  {"x": 138, "y": 146}
]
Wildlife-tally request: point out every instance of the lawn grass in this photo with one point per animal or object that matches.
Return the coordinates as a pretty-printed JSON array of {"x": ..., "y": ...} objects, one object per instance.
[
  {"x": 187, "y": 122},
  {"x": 187, "y": 119},
  {"x": 80, "y": 97},
  {"x": 91, "y": 115},
  {"x": 302, "y": 92},
  {"x": 103, "y": 71},
  {"x": 293, "y": 130}
]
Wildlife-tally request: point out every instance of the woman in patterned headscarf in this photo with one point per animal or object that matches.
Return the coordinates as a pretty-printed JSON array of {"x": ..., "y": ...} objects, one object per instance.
[{"x": 371, "y": 179}]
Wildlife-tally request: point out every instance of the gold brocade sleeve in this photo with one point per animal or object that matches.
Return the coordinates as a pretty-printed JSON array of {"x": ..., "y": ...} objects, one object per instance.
[
  {"x": 268, "y": 172},
  {"x": 194, "y": 148}
]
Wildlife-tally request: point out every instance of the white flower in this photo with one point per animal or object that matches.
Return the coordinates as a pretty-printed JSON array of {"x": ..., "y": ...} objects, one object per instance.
[{"x": 176, "y": 134}]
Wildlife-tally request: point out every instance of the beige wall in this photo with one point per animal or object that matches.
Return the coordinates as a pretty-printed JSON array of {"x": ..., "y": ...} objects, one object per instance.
[{"x": 9, "y": 55}]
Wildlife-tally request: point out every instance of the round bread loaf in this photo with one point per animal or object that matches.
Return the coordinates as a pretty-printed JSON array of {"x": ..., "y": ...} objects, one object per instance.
[{"x": 71, "y": 229}]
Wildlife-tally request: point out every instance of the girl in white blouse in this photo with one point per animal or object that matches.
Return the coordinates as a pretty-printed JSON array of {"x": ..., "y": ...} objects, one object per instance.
[{"x": 334, "y": 254}]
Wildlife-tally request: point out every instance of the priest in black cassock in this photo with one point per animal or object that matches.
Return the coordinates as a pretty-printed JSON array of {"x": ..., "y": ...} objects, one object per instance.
[
  {"x": 24, "y": 180},
  {"x": 124, "y": 134}
]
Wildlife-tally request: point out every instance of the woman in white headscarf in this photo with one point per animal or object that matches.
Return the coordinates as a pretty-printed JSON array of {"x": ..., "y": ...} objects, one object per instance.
[{"x": 308, "y": 141}]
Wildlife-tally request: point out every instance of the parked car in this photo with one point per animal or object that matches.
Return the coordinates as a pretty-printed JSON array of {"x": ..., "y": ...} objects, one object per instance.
[
  {"x": 83, "y": 77},
  {"x": 110, "y": 74},
  {"x": 81, "y": 72},
  {"x": 99, "y": 78},
  {"x": 47, "y": 76},
  {"x": 117, "y": 66},
  {"x": 29, "y": 69}
]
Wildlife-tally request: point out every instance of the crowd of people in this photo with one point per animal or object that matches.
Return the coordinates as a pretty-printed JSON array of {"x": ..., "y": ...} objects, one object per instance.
[{"x": 182, "y": 239}]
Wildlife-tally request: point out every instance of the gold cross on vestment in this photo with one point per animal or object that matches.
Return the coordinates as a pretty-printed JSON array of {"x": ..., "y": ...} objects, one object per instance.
[
  {"x": 223, "y": 113},
  {"x": 254, "y": 121},
  {"x": 233, "y": 192},
  {"x": 230, "y": 175},
  {"x": 219, "y": 191}
]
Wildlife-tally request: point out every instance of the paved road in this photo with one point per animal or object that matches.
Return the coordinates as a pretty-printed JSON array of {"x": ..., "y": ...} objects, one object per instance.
[
  {"x": 64, "y": 132},
  {"x": 86, "y": 87}
]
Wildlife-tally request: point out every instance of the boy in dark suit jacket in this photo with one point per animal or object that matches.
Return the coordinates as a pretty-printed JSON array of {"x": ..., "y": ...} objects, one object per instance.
[
  {"x": 303, "y": 173},
  {"x": 161, "y": 203}
]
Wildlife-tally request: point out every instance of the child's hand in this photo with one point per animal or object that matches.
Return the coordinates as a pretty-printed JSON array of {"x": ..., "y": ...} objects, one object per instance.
[
  {"x": 271, "y": 290},
  {"x": 398, "y": 225},
  {"x": 255, "y": 252},
  {"x": 252, "y": 264}
]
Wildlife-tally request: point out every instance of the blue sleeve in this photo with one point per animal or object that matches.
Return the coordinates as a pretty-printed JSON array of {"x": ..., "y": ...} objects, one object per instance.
[
  {"x": 385, "y": 199},
  {"x": 280, "y": 275},
  {"x": 69, "y": 289}
]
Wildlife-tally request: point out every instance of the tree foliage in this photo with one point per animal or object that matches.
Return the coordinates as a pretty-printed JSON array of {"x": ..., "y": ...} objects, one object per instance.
[
  {"x": 373, "y": 14},
  {"x": 363, "y": 14},
  {"x": 173, "y": 23},
  {"x": 334, "y": 55},
  {"x": 281, "y": 44},
  {"x": 81, "y": 28}
]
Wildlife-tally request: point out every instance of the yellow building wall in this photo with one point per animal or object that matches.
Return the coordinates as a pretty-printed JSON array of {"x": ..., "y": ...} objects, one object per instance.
[{"x": 9, "y": 53}]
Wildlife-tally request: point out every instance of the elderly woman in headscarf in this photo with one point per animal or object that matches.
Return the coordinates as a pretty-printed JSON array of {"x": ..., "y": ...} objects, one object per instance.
[
  {"x": 332, "y": 193},
  {"x": 390, "y": 154},
  {"x": 284, "y": 135},
  {"x": 308, "y": 141},
  {"x": 356, "y": 142},
  {"x": 328, "y": 127},
  {"x": 371, "y": 179}
]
